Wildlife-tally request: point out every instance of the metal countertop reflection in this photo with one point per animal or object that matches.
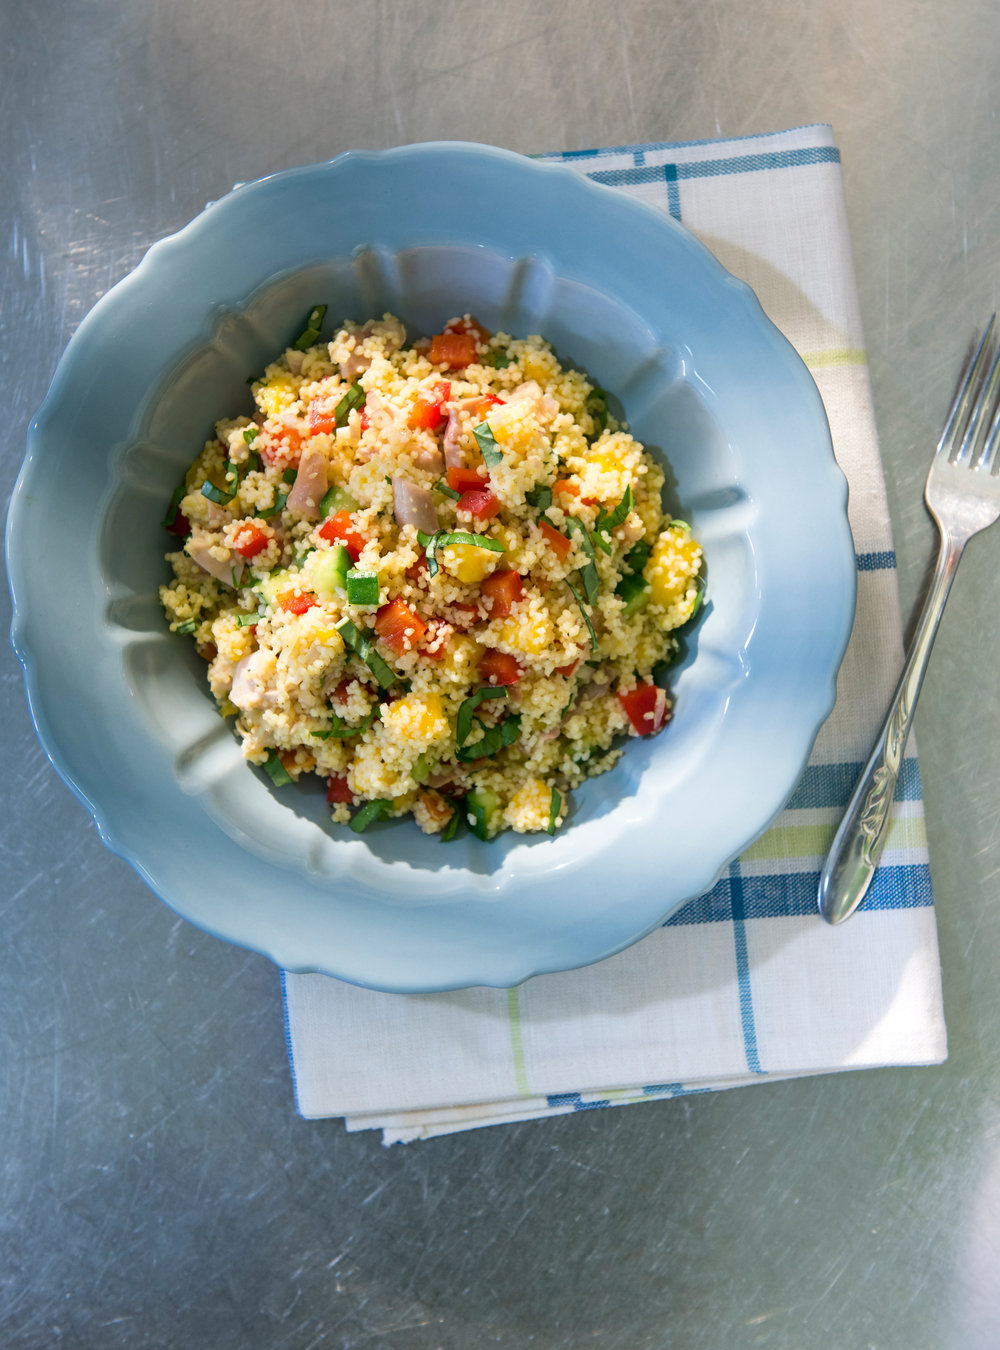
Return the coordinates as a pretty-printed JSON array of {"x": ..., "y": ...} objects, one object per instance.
[{"x": 158, "y": 1188}]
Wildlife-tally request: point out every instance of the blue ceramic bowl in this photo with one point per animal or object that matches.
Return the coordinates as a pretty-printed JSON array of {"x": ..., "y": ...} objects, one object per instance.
[{"x": 428, "y": 231}]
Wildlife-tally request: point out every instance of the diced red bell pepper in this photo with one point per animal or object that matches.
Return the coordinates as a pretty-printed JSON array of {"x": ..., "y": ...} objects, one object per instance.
[
  {"x": 435, "y": 643},
  {"x": 567, "y": 670},
  {"x": 478, "y": 502},
  {"x": 250, "y": 539},
  {"x": 418, "y": 572},
  {"x": 499, "y": 667},
  {"x": 645, "y": 707},
  {"x": 337, "y": 789},
  {"x": 321, "y": 415},
  {"x": 558, "y": 542},
  {"x": 428, "y": 407},
  {"x": 340, "y": 529},
  {"x": 462, "y": 480},
  {"x": 453, "y": 350},
  {"x": 462, "y": 615},
  {"x": 398, "y": 627},
  {"x": 571, "y": 489},
  {"x": 501, "y": 589},
  {"x": 180, "y": 525},
  {"x": 469, "y": 325},
  {"x": 296, "y": 602},
  {"x": 281, "y": 444}
]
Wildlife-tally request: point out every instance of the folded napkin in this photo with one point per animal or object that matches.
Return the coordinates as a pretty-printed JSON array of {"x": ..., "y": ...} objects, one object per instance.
[{"x": 746, "y": 982}]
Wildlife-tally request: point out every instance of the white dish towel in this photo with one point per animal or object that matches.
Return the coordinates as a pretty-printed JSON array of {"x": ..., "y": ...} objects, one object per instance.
[{"x": 745, "y": 983}]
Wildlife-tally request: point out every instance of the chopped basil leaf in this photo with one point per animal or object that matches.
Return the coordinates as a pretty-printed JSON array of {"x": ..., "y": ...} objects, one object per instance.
[
  {"x": 250, "y": 434},
  {"x": 254, "y": 379},
  {"x": 463, "y": 723},
  {"x": 354, "y": 398},
  {"x": 588, "y": 572},
  {"x": 362, "y": 587},
  {"x": 494, "y": 738},
  {"x": 452, "y": 828},
  {"x": 377, "y": 809},
  {"x": 178, "y": 495},
  {"x": 361, "y": 643},
  {"x": 540, "y": 497},
  {"x": 340, "y": 728},
  {"x": 289, "y": 476},
  {"x": 638, "y": 556},
  {"x": 214, "y": 494},
  {"x": 597, "y": 406},
  {"x": 429, "y": 543},
  {"x": 555, "y": 806},
  {"x": 442, "y": 486},
  {"x": 253, "y": 461},
  {"x": 500, "y": 360},
  {"x": 492, "y": 454},
  {"x": 630, "y": 589},
  {"x": 606, "y": 522},
  {"x": 462, "y": 537},
  {"x": 586, "y": 619},
  {"x": 476, "y": 817},
  {"x": 187, "y": 627},
  {"x": 279, "y": 505},
  {"x": 275, "y": 770},
  {"x": 310, "y": 333}
]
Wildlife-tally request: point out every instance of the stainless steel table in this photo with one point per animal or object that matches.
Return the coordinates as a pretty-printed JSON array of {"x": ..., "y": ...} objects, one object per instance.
[{"x": 157, "y": 1187}]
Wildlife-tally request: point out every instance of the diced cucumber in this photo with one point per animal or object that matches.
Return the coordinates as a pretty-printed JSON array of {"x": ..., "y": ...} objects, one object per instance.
[
  {"x": 327, "y": 570},
  {"x": 337, "y": 499},
  {"x": 481, "y": 805},
  {"x": 362, "y": 587}
]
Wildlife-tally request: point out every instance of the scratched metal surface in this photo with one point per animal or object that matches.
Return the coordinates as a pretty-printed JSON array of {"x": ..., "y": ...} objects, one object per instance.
[{"x": 156, "y": 1188}]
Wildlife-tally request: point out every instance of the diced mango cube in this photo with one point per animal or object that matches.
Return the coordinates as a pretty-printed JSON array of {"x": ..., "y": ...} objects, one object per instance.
[
  {"x": 672, "y": 566},
  {"x": 529, "y": 807},
  {"x": 417, "y": 719},
  {"x": 468, "y": 562},
  {"x": 275, "y": 396},
  {"x": 528, "y": 633},
  {"x": 609, "y": 460}
]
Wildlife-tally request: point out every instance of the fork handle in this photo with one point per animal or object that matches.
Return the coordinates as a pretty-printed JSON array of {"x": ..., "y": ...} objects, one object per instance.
[{"x": 858, "y": 843}]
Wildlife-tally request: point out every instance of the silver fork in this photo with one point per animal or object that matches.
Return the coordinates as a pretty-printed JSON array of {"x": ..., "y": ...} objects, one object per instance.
[{"x": 963, "y": 496}]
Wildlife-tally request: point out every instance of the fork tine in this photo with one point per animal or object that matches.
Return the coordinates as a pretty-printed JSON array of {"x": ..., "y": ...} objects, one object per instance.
[
  {"x": 952, "y": 437},
  {"x": 981, "y": 436},
  {"x": 991, "y": 455}
]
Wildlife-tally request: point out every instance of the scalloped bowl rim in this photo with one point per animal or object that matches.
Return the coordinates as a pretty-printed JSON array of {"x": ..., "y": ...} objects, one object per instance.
[{"x": 557, "y": 941}]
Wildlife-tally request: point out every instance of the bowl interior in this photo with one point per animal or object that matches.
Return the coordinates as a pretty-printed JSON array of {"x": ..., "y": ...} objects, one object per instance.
[{"x": 424, "y": 286}]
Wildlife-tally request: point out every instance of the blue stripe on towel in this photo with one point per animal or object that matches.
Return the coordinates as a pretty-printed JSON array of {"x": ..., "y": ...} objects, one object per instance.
[
  {"x": 792, "y": 894},
  {"x": 876, "y": 561},
  {"x": 736, "y": 896},
  {"x": 716, "y": 168}
]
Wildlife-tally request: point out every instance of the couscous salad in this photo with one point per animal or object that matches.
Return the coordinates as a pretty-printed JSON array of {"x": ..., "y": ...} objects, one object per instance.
[{"x": 435, "y": 573}]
